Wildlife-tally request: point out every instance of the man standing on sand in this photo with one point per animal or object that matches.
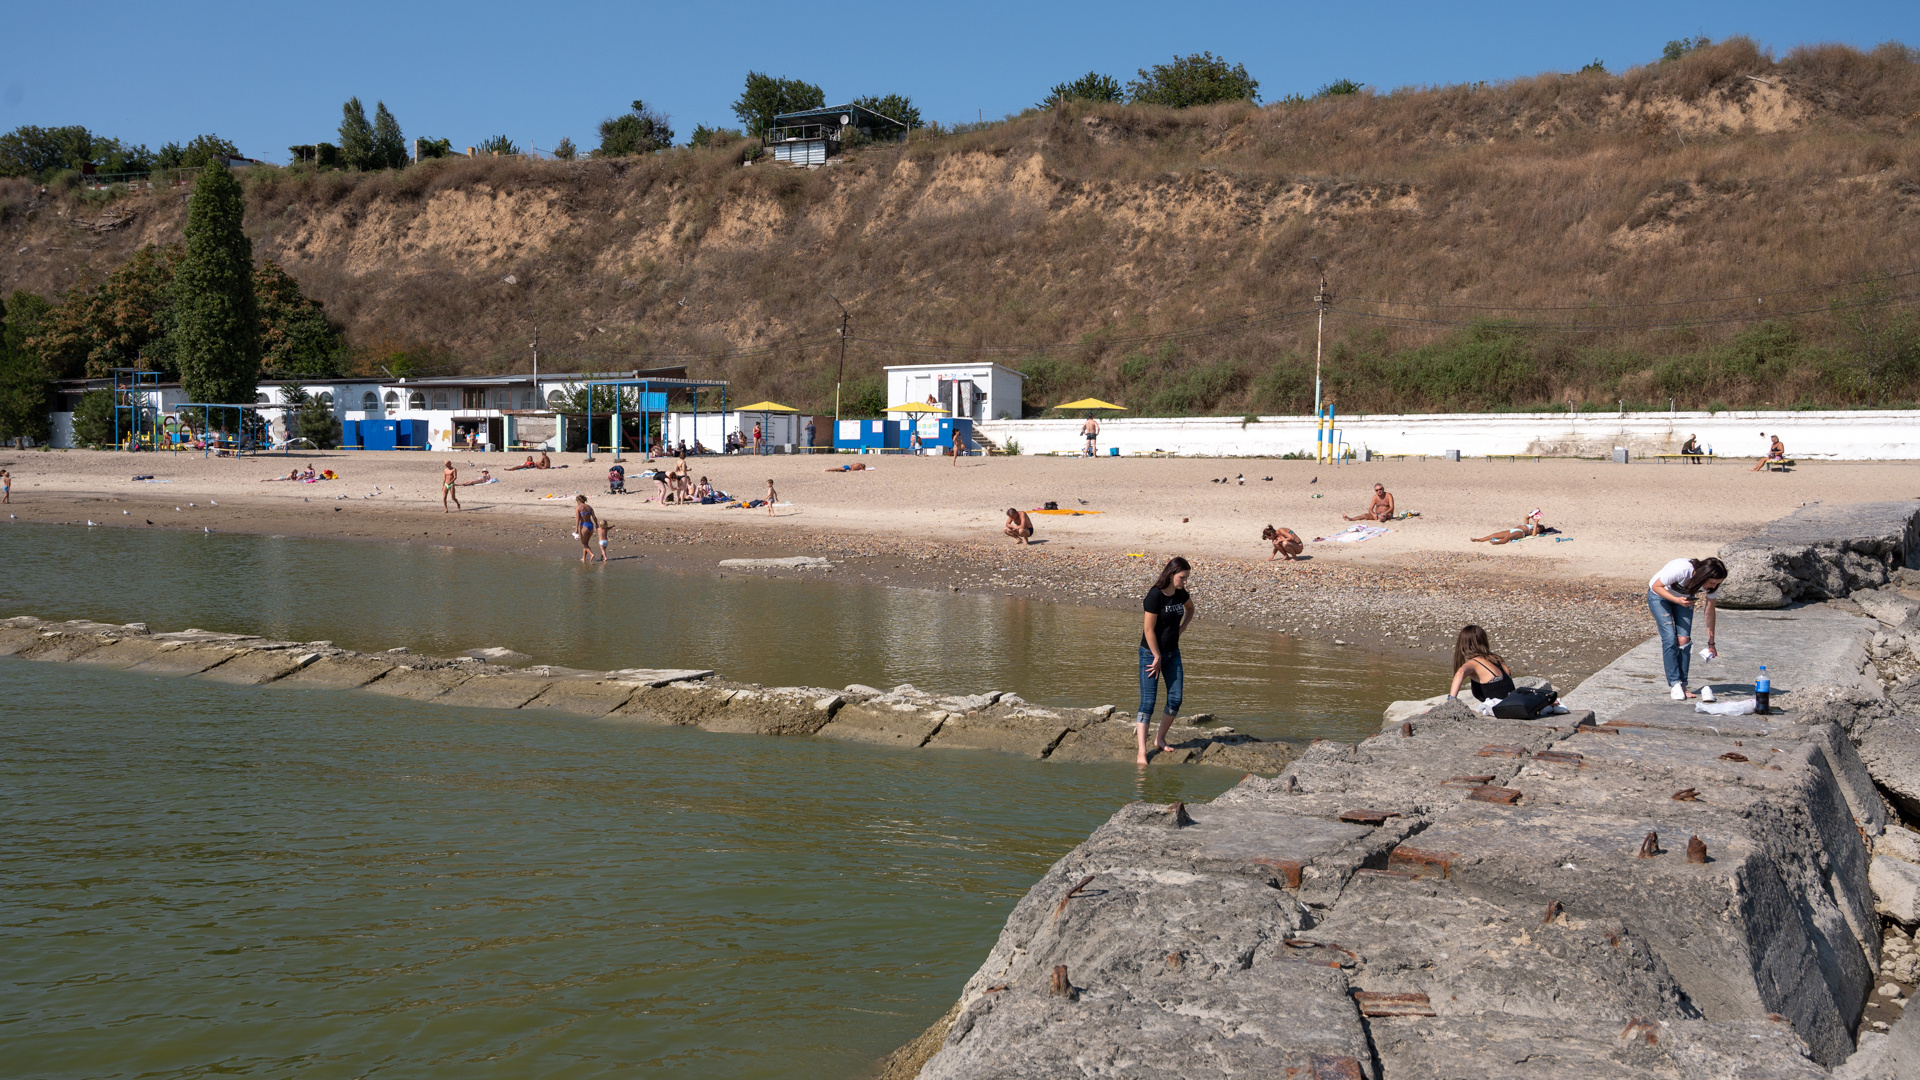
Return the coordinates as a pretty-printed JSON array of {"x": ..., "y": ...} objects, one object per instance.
[
  {"x": 809, "y": 432},
  {"x": 1381, "y": 510},
  {"x": 448, "y": 477},
  {"x": 1091, "y": 432},
  {"x": 959, "y": 447}
]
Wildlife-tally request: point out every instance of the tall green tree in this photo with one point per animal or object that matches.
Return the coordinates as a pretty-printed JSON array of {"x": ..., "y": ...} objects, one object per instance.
[
  {"x": 766, "y": 96},
  {"x": 894, "y": 107},
  {"x": 296, "y": 337},
  {"x": 640, "y": 130},
  {"x": 26, "y": 390},
  {"x": 1092, "y": 86},
  {"x": 1186, "y": 81},
  {"x": 215, "y": 331},
  {"x": 202, "y": 151},
  {"x": 36, "y": 151},
  {"x": 122, "y": 323},
  {"x": 389, "y": 146},
  {"x": 356, "y": 136}
]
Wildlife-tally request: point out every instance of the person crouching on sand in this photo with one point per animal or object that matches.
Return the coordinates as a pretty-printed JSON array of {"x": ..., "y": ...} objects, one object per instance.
[
  {"x": 1285, "y": 542},
  {"x": 1019, "y": 524}
]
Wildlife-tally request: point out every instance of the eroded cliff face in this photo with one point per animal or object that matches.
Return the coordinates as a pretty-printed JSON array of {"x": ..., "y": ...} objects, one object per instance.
[{"x": 1092, "y": 224}]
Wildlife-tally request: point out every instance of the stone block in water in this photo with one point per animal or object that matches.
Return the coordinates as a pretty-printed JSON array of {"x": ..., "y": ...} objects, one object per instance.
[
  {"x": 419, "y": 684},
  {"x": 884, "y": 725},
  {"x": 339, "y": 671},
  {"x": 486, "y": 691}
]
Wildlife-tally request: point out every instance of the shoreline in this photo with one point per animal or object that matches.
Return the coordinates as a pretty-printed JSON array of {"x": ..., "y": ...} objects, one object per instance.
[{"x": 1563, "y": 630}]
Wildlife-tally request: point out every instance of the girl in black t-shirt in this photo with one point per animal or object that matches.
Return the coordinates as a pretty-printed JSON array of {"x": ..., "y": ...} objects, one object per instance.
[{"x": 1168, "y": 611}]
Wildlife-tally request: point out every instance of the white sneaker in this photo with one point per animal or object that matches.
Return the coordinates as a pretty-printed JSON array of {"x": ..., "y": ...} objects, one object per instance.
[
  {"x": 1706, "y": 693},
  {"x": 1677, "y": 692}
]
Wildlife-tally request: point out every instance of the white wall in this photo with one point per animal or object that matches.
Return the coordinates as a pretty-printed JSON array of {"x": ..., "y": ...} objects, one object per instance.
[
  {"x": 1853, "y": 435},
  {"x": 777, "y": 429},
  {"x": 914, "y": 382}
]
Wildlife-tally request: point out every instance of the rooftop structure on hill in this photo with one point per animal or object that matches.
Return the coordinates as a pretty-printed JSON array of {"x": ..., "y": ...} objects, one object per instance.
[{"x": 807, "y": 139}]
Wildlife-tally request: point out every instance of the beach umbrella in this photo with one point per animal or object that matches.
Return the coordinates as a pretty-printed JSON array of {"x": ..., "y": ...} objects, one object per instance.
[
  {"x": 919, "y": 407},
  {"x": 766, "y": 409},
  {"x": 1092, "y": 405}
]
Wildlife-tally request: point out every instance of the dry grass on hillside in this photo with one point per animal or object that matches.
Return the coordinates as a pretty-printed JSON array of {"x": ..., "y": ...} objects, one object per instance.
[{"x": 1723, "y": 173}]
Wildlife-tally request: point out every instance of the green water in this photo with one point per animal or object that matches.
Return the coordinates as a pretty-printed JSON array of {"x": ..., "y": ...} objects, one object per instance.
[
  {"x": 443, "y": 601},
  {"x": 201, "y": 880}
]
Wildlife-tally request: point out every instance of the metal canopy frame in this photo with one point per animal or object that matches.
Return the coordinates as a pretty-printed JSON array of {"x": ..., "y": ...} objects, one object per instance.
[
  {"x": 241, "y": 445},
  {"x": 646, "y": 387}
]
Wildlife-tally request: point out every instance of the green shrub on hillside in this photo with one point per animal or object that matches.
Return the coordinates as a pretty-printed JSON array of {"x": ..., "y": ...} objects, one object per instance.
[
  {"x": 1092, "y": 86},
  {"x": 640, "y": 130},
  {"x": 1186, "y": 81}
]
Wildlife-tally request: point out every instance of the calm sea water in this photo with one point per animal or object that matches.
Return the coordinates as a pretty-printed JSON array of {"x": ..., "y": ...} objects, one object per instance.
[{"x": 199, "y": 880}]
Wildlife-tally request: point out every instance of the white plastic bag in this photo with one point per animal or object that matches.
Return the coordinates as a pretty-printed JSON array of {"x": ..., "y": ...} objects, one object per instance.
[{"x": 1742, "y": 707}]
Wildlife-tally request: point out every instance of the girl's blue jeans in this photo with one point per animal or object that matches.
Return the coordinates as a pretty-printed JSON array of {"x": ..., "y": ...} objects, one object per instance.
[
  {"x": 1675, "y": 622},
  {"x": 1171, "y": 671}
]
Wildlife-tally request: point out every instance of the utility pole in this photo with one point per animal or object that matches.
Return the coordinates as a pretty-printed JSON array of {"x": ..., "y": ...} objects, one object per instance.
[
  {"x": 839, "y": 378},
  {"x": 1319, "y": 335},
  {"x": 537, "y": 402}
]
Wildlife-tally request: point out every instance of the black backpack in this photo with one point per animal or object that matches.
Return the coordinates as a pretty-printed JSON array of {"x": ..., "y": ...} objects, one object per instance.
[{"x": 1525, "y": 703}]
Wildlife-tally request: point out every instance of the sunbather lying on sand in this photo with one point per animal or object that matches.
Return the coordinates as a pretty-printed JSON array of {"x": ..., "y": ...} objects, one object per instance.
[
  {"x": 1285, "y": 542},
  {"x": 861, "y": 467},
  {"x": 527, "y": 464},
  {"x": 1531, "y": 526}
]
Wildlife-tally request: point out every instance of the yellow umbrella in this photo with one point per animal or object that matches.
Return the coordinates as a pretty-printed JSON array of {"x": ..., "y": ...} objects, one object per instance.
[
  {"x": 916, "y": 407},
  {"x": 766, "y": 406},
  {"x": 1092, "y": 403}
]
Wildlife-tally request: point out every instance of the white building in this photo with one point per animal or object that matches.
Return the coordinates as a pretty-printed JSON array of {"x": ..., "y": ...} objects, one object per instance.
[{"x": 977, "y": 391}]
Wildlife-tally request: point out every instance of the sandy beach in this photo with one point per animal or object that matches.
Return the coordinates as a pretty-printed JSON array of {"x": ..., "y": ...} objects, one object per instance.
[{"x": 1560, "y": 606}]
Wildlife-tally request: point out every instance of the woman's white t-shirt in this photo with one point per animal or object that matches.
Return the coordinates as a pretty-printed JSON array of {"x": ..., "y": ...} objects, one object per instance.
[{"x": 1674, "y": 574}]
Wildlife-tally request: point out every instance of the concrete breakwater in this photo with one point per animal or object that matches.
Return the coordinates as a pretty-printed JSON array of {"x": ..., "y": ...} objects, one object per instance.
[
  {"x": 903, "y": 717},
  {"x": 1634, "y": 889}
]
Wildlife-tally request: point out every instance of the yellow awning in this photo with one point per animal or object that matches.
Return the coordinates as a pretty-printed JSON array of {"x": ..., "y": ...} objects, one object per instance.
[
  {"x": 766, "y": 406},
  {"x": 1092, "y": 403},
  {"x": 916, "y": 407}
]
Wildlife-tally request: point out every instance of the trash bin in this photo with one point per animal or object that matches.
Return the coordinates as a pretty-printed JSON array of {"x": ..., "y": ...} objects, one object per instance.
[
  {"x": 1453, "y": 455},
  {"x": 1620, "y": 455}
]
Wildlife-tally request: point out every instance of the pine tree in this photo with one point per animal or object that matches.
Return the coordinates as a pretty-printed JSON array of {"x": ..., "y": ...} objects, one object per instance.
[
  {"x": 356, "y": 136},
  {"x": 215, "y": 333},
  {"x": 389, "y": 147}
]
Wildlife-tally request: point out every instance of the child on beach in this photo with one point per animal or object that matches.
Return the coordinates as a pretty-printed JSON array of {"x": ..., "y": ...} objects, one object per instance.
[
  {"x": 448, "y": 477},
  {"x": 585, "y": 524},
  {"x": 6, "y": 486},
  {"x": 606, "y": 530},
  {"x": 772, "y": 497}
]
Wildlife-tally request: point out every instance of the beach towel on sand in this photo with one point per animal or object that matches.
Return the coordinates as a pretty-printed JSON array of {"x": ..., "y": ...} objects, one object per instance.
[{"x": 1355, "y": 534}]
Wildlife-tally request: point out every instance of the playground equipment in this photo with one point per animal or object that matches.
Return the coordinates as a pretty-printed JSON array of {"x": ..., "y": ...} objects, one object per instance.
[
  {"x": 1327, "y": 445},
  {"x": 140, "y": 422},
  {"x": 649, "y": 399}
]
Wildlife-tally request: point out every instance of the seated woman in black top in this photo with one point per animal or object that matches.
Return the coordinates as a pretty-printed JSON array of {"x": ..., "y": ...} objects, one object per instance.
[{"x": 1475, "y": 661}]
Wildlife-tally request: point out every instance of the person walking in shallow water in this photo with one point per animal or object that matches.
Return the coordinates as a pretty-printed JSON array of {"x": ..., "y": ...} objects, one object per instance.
[
  {"x": 6, "y": 486},
  {"x": 585, "y": 524},
  {"x": 448, "y": 476},
  {"x": 1169, "y": 609}
]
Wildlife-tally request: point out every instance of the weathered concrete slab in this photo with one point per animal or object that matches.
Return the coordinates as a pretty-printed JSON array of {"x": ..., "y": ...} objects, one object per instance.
[
  {"x": 1471, "y": 956},
  {"x": 1730, "y": 930},
  {"x": 18, "y": 633},
  {"x": 1503, "y": 1047},
  {"x": 906, "y": 727},
  {"x": 491, "y": 691},
  {"x": 1821, "y": 552},
  {"x": 58, "y": 647},
  {"x": 184, "y": 659},
  {"x": 1888, "y": 740},
  {"x": 339, "y": 671},
  {"x": 677, "y": 703},
  {"x": 419, "y": 684},
  {"x": 1272, "y": 1020},
  {"x": 1804, "y": 649},
  {"x": 659, "y": 676},
  {"x": 1116, "y": 740},
  {"x": 584, "y": 697},
  {"x": 1248, "y": 755},
  {"x": 785, "y": 710},
  {"x": 257, "y": 667},
  {"x": 1026, "y": 736}
]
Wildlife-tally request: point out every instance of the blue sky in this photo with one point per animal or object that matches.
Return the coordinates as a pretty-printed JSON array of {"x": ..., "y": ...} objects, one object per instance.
[{"x": 270, "y": 75}]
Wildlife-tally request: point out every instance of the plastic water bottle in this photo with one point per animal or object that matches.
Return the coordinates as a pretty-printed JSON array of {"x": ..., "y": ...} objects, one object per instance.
[{"x": 1762, "y": 689}]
